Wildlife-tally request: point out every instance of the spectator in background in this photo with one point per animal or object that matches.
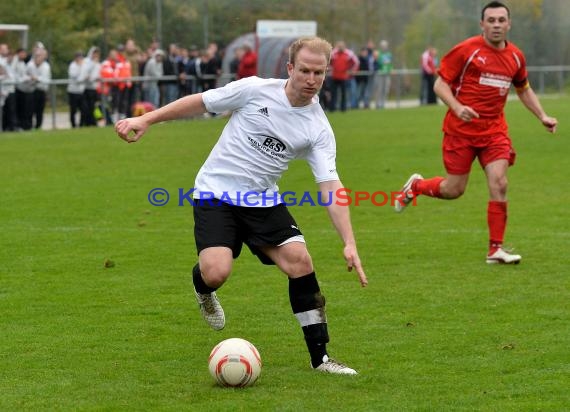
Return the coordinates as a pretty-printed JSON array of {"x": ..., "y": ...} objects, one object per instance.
[
  {"x": 3, "y": 93},
  {"x": 373, "y": 68},
  {"x": 342, "y": 65},
  {"x": 213, "y": 68},
  {"x": 169, "y": 88},
  {"x": 75, "y": 90},
  {"x": 40, "y": 72},
  {"x": 200, "y": 66},
  {"x": 8, "y": 91},
  {"x": 429, "y": 68},
  {"x": 234, "y": 63},
  {"x": 194, "y": 57},
  {"x": 153, "y": 68},
  {"x": 182, "y": 63},
  {"x": 214, "y": 63},
  {"x": 123, "y": 71},
  {"x": 108, "y": 89},
  {"x": 143, "y": 58},
  {"x": 247, "y": 66},
  {"x": 383, "y": 75},
  {"x": 352, "y": 96},
  {"x": 90, "y": 75},
  {"x": 191, "y": 81},
  {"x": 365, "y": 78},
  {"x": 132, "y": 54},
  {"x": 24, "y": 90}
]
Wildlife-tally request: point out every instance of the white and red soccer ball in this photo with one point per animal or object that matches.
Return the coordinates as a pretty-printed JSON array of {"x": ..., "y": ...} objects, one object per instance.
[{"x": 235, "y": 362}]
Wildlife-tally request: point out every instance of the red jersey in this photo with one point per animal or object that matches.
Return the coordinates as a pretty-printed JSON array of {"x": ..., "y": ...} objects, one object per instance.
[
  {"x": 247, "y": 65},
  {"x": 107, "y": 71},
  {"x": 480, "y": 77},
  {"x": 342, "y": 62}
]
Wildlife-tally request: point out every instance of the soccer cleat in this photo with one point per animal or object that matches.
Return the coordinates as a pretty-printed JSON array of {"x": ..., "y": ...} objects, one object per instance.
[
  {"x": 503, "y": 256},
  {"x": 211, "y": 310},
  {"x": 406, "y": 195},
  {"x": 331, "y": 366}
]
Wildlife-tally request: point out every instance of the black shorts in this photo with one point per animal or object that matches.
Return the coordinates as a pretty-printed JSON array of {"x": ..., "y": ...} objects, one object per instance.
[{"x": 221, "y": 224}]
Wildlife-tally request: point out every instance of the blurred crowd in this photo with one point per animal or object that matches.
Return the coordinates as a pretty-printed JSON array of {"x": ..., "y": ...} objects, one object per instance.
[
  {"x": 131, "y": 80},
  {"x": 358, "y": 81},
  {"x": 128, "y": 81},
  {"x": 25, "y": 82},
  {"x": 364, "y": 80}
]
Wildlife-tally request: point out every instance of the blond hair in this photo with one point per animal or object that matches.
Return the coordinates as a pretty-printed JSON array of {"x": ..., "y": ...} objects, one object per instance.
[{"x": 314, "y": 44}]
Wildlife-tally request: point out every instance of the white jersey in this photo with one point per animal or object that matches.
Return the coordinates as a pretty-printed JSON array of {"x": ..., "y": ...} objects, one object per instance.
[{"x": 262, "y": 136}]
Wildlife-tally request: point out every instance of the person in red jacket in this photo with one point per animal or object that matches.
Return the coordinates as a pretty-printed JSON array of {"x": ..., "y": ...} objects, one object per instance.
[
  {"x": 343, "y": 65},
  {"x": 248, "y": 63},
  {"x": 124, "y": 72},
  {"x": 429, "y": 69},
  {"x": 107, "y": 88}
]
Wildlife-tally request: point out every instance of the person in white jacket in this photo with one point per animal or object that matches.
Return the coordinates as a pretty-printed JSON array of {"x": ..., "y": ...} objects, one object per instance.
[
  {"x": 90, "y": 76},
  {"x": 24, "y": 90},
  {"x": 7, "y": 90},
  {"x": 39, "y": 71},
  {"x": 75, "y": 89},
  {"x": 153, "y": 69}
]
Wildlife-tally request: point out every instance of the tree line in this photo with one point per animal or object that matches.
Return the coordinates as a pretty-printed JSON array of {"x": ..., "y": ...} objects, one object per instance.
[{"x": 540, "y": 27}]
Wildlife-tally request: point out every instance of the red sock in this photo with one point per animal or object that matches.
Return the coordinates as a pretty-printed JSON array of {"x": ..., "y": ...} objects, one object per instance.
[
  {"x": 428, "y": 187},
  {"x": 497, "y": 222}
]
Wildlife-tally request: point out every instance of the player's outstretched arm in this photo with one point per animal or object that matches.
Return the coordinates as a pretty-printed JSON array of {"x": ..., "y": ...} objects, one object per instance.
[
  {"x": 132, "y": 129},
  {"x": 530, "y": 100},
  {"x": 340, "y": 217}
]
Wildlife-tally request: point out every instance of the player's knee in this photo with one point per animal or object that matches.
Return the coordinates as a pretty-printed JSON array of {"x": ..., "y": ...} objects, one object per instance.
[
  {"x": 502, "y": 185},
  {"x": 215, "y": 275},
  {"x": 299, "y": 264},
  {"x": 305, "y": 264},
  {"x": 458, "y": 192},
  {"x": 453, "y": 192},
  {"x": 498, "y": 187},
  {"x": 450, "y": 189}
]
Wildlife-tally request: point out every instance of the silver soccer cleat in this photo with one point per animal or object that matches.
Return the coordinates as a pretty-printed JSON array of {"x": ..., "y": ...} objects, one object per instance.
[
  {"x": 331, "y": 366},
  {"x": 211, "y": 310}
]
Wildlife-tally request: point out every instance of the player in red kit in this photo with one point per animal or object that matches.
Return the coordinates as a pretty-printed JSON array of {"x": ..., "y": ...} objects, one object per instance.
[{"x": 474, "y": 80}]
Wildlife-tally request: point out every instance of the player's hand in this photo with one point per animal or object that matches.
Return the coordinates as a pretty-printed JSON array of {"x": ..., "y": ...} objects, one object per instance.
[
  {"x": 133, "y": 124},
  {"x": 550, "y": 123},
  {"x": 466, "y": 113},
  {"x": 353, "y": 262}
]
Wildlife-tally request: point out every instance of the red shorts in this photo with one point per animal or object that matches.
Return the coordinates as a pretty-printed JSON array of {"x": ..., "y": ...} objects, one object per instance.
[{"x": 459, "y": 152}]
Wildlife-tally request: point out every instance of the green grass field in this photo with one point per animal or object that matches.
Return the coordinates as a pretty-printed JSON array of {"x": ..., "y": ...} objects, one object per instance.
[{"x": 97, "y": 311}]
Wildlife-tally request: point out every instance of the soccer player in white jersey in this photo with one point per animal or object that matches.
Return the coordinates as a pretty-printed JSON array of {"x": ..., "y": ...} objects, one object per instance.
[{"x": 273, "y": 121}]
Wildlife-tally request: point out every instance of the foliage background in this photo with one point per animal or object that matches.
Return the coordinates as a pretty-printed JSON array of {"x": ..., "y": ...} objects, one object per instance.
[{"x": 410, "y": 25}]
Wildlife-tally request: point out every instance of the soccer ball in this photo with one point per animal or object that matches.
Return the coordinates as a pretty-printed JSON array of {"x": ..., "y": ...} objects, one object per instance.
[{"x": 235, "y": 362}]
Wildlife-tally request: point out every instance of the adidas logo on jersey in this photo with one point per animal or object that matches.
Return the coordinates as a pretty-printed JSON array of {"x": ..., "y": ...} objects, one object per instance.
[{"x": 264, "y": 111}]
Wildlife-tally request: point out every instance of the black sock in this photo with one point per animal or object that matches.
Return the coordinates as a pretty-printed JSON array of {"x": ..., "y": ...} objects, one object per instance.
[
  {"x": 317, "y": 350},
  {"x": 308, "y": 305},
  {"x": 199, "y": 283}
]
